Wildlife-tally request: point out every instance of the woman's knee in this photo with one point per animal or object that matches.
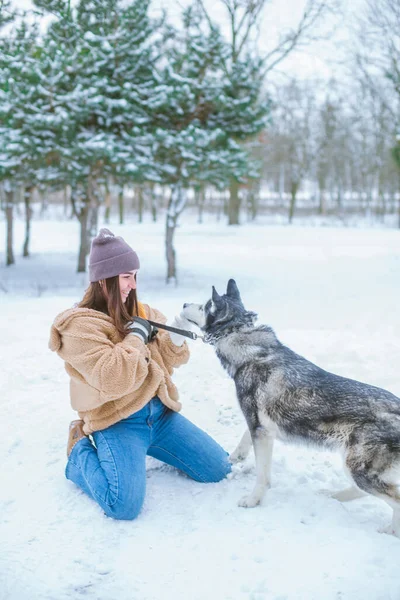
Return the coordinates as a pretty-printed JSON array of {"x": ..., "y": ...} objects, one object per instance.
[
  {"x": 126, "y": 510},
  {"x": 219, "y": 471},
  {"x": 124, "y": 504}
]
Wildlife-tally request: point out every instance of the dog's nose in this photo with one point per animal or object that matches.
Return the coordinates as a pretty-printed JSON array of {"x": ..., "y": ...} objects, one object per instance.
[{"x": 185, "y": 305}]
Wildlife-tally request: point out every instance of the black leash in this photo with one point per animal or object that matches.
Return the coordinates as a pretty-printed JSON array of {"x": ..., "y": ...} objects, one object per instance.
[{"x": 184, "y": 332}]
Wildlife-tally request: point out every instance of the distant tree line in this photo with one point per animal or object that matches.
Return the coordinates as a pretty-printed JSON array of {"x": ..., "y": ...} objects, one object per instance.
[
  {"x": 339, "y": 149},
  {"x": 108, "y": 95},
  {"x": 108, "y": 103}
]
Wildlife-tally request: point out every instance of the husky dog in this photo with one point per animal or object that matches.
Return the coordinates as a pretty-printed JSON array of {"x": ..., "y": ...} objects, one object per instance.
[{"x": 283, "y": 395}]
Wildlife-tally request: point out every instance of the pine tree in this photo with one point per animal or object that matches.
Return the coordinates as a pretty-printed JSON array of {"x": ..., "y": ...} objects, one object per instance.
[
  {"x": 107, "y": 97},
  {"x": 7, "y": 13},
  {"x": 244, "y": 113},
  {"x": 198, "y": 132},
  {"x": 244, "y": 19},
  {"x": 17, "y": 95}
]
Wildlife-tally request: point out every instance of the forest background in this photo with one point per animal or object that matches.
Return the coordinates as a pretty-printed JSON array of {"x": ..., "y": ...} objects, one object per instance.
[{"x": 238, "y": 108}]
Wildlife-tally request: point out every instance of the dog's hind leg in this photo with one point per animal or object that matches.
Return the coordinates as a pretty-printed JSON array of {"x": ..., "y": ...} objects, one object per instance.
[
  {"x": 396, "y": 521},
  {"x": 242, "y": 449},
  {"x": 346, "y": 495},
  {"x": 394, "y": 527},
  {"x": 371, "y": 474},
  {"x": 263, "y": 442}
]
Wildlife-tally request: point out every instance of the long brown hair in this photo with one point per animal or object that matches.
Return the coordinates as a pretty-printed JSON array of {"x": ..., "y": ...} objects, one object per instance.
[{"x": 106, "y": 298}]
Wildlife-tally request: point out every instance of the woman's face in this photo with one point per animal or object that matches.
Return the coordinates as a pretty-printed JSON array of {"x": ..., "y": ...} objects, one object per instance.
[{"x": 127, "y": 282}]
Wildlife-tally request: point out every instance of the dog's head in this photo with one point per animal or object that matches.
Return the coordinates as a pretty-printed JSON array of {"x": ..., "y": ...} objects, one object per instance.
[{"x": 220, "y": 314}]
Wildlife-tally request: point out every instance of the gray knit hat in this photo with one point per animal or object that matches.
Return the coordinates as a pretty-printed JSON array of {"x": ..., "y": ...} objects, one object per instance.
[{"x": 110, "y": 256}]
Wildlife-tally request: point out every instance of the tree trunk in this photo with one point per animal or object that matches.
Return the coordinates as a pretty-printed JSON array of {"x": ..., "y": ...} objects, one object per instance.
[
  {"x": 107, "y": 203},
  {"x": 153, "y": 205},
  {"x": 234, "y": 203},
  {"x": 293, "y": 192},
  {"x": 84, "y": 237},
  {"x": 66, "y": 196},
  {"x": 282, "y": 185},
  {"x": 399, "y": 209},
  {"x": 9, "y": 194},
  {"x": 322, "y": 198},
  {"x": 82, "y": 214},
  {"x": 251, "y": 205},
  {"x": 253, "y": 199},
  {"x": 28, "y": 216},
  {"x": 339, "y": 199},
  {"x": 201, "y": 199},
  {"x": 44, "y": 197},
  {"x": 381, "y": 205},
  {"x": 93, "y": 196},
  {"x": 170, "y": 250},
  {"x": 220, "y": 205},
  {"x": 381, "y": 208},
  {"x": 176, "y": 204},
  {"x": 93, "y": 223},
  {"x": 140, "y": 197},
  {"x": 121, "y": 205}
]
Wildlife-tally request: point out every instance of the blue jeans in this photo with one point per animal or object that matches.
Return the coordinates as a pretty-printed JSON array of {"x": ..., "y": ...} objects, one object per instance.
[{"x": 114, "y": 472}]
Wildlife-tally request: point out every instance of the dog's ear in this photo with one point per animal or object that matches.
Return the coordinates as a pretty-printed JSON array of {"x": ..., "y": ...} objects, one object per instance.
[
  {"x": 232, "y": 289},
  {"x": 215, "y": 296}
]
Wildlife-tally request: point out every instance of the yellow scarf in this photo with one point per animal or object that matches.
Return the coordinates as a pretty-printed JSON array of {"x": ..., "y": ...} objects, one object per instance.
[{"x": 142, "y": 312}]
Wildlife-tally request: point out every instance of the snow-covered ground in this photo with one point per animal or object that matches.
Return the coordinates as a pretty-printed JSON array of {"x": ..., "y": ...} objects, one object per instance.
[{"x": 332, "y": 294}]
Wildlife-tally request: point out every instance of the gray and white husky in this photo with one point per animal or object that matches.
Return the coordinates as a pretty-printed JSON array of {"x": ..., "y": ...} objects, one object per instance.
[{"x": 283, "y": 395}]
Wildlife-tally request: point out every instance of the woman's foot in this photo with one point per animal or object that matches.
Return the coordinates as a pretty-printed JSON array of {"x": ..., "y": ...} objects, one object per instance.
[{"x": 76, "y": 433}]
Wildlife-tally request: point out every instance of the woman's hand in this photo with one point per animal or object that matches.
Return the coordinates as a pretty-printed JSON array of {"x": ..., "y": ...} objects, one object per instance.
[
  {"x": 180, "y": 322},
  {"x": 142, "y": 329}
]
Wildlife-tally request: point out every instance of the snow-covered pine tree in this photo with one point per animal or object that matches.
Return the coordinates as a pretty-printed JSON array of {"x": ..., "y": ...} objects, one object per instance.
[
  {"x": 190, "y": 148},
  {"x": 243, "y": 111},
  {"x": 202, "y": 117},
  {"x": 396, "y": 156},
  {"x": 107, "y": 98},
  {"x": 60, "y": 53},
  {"x": 6, "y": 166},
  {"x": 121, "y": 46},
  {"x": 7, "y": 12},
  {"x": 19, "y": 139}
]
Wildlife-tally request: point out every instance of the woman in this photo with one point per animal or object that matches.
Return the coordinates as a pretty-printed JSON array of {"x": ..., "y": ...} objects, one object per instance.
[{"x": 121, "y": 387}]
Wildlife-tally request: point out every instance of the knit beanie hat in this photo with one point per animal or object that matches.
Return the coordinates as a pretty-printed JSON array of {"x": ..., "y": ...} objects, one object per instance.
[{"x": 110, "y": 255}]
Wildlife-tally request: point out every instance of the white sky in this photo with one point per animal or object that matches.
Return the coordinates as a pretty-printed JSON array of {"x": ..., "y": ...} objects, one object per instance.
[
  {"x": 279, "y": 16},
  {"x": 319, "y": 60}
]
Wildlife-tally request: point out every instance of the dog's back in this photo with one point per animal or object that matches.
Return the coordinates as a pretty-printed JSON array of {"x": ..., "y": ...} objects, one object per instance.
[{"x": 305, "y": 401}]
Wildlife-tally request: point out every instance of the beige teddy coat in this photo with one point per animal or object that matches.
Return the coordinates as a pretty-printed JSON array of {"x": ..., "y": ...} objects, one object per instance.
[{"x": 112, "y": 378}]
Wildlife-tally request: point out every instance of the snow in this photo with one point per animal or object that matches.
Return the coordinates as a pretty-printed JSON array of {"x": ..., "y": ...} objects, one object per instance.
[{"x": 330, "y": 293}]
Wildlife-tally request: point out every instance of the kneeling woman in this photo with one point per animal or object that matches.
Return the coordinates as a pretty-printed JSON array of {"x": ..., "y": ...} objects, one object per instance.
[{"x": 122, "y": 389}]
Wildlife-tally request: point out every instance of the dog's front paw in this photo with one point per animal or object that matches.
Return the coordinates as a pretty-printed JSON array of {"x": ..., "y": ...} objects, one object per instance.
[
  {"x": 249, "y": 501},
  {"x": 236, "y": 457},
  {"x": 388, "y": 530}
]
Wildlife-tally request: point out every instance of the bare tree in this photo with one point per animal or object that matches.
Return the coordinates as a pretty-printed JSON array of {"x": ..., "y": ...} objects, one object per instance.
[
  {"x": 292, "y": 138},
  {"x": 9, "y": 208},
  {"x": 245, "y": 22},
  {"x": 176, "y": 204},
  {"x": 107, "y": 200},
  {"x": 377, "y": 49},
  {"x": 377, "y": 58},
  {"x": 28, "y": 191}
]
